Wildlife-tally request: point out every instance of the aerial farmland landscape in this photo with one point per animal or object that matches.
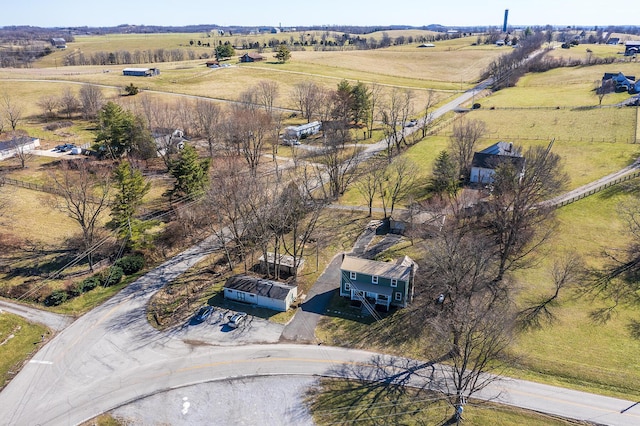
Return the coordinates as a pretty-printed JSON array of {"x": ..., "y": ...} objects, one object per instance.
[{"x": 432, "y": 221}]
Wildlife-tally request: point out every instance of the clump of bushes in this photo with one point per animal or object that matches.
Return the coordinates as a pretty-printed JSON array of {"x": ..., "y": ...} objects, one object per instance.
[
  {"x": 111, "y": 276},
  {"x": 57, "y": 297},
  {"x": 131, "y": 264}
]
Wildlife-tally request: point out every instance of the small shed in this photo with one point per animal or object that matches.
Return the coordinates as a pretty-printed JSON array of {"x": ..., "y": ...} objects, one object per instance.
[
  {"x": 140, "y": 72},
  {"x": 17, "y": 145},
  {"x": 251, "y": 57},
  {"x": 631, "y": 47},
  {"x": 285, "y": 262},
  {"x": 59, "y": 43},
  {"x": 212, "y": 64},
  {"x": 263, "y": 293}
]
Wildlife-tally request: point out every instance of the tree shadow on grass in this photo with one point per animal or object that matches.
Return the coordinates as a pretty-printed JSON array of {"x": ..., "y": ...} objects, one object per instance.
[{"x": 385, "y": 390}]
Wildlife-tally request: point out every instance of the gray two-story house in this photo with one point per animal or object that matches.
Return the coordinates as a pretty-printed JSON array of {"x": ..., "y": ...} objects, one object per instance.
[{"x": 380, "y": 283}]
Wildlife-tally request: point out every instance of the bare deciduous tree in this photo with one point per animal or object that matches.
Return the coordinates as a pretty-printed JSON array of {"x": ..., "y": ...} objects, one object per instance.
[
  {"x": 68, "y": 103},
  {"x": 397, "y": 182},
  {"x": 518, "y": 219},
  {"x": 463, "y": 141},
  {"x": 266, "y": 94},
  {"x": 48, "y": 104},
  {"x": 394, "y": 114},
  {"x": 305, "y": 97},
  {"x": 336, "y": 164},
  {"x": 91, "y": 100},
  {"x": 457, "y": 306},
  {"x": 12, "y": 111},
  {"x": 247, "y": 131},
  {"x": 208, "y": 117},
  {"x": 427, "y": 115},
  {"x": 376, "y": 94},
  {"x": 368, "y": 183},
  {"x": 84, "y": 193},
  {"x": 20, "y": 146}
]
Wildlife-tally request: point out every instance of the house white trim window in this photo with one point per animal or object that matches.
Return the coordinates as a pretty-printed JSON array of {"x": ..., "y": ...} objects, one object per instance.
[
  {"x": 398, "y": 296},
  {"x": 374, "y": 279},
  {"x": 352, "y": 275},
  {"x": 394, "y": 282},
  {"x": 347, "y": 287}
]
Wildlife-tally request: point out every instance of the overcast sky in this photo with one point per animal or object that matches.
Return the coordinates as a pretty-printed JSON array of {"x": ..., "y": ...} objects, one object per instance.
[{"x": 63, "y": 13}]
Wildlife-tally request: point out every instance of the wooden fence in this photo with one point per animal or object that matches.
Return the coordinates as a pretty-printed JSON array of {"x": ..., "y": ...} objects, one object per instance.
[{"x": 564, "y": 202}]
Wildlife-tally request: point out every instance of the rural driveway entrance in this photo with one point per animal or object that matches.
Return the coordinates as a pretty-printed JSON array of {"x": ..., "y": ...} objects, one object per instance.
[{"x": 301, "y": 328}]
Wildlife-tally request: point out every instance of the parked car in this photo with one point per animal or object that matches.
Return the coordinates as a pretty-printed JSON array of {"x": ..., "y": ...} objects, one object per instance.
[
  {"x": 203, "y": 313},
  {"x": 237, "y": 319}
]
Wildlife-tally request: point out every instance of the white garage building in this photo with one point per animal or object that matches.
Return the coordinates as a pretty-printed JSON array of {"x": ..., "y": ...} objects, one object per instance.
[{"x": 259, "y": 292}]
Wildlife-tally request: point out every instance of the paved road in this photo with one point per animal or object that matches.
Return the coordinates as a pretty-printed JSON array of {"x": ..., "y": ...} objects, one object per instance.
[
  {"x": 56, "y": 322},
  {"x": 111, "y": 357}
]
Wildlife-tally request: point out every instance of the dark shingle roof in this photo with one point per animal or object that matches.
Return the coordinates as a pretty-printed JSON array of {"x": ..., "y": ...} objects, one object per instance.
[
  {"x": 491, "y": 161},
  {"x": 260, "y": 287}
]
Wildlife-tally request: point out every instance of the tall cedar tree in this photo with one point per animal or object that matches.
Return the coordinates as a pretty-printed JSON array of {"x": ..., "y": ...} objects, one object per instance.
[
  {"x": 445, "y": 175},
  {"x": 131, "y": 188},
  {"x": 121, "y": 132},
  {"x": 283, "y": 54},
  {"x": 360, "y": 103},
  {"x": 191, "y": 174}
]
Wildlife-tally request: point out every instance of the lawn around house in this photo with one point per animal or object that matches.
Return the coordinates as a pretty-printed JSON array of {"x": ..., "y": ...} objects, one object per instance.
[
  {"x": 18, "y": 340},
  {"x": 603, "y": 356}
]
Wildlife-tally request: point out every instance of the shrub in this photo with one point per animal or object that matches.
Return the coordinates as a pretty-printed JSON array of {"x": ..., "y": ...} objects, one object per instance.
[
  {"x": 111, "y": 276},
  {"x": 57, "y": 297},
  {"x": 130, "y": 264},
  {"x": 131, "y": 90},
  {"x": 86, "y": 285}
]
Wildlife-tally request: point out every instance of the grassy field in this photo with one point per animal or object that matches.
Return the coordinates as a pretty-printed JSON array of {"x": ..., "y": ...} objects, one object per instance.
[{"x": 18, "y": 340}]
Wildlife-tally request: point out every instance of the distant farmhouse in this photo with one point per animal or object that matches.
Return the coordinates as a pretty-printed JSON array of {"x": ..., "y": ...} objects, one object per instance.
[
  {"x": 141, "y": 72},
  {"x": 383, "y": 284},
  {"x": 631, "y": 48},
  {"x": 19, "y": 144},
  {"x": 59, "y": 43},
  {"x": 251, "y": 57},
  {"x": 486, "y": 161},
  {"x": 259, "y": 292},
  {"x": 293, "y": 134},
  {"x": 622, "y": 83}
]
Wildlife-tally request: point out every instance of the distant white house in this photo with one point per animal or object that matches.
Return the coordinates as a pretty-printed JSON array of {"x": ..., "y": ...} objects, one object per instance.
[
  {"x": 293, "y": 134},
  {"x": 486, "y": 161},
  {"x": 19, "y": 144},
  {"x": 259, "y": 292}
]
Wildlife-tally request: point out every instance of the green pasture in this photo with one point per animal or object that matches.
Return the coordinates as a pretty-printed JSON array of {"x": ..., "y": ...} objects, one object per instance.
[
  {"x": 18, "y": 340},
  {"x": 603, "y": 357},
  {"x": 573, "y": 351}
]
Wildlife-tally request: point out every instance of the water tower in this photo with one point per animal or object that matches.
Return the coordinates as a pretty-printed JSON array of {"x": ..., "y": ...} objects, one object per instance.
[{"x": 506, "y": 16}]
